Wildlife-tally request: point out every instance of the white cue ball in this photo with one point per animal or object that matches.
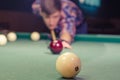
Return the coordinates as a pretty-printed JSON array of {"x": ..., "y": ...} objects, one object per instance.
[
  {"x": 11, "y": 36},
  {"x": 3, "y": 40},
  {"x": 35, "y": 36},
  {"x": 68, "y": 65}
]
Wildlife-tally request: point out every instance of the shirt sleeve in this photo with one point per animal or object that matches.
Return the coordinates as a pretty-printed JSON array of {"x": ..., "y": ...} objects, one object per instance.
[
  {"x": 71, "y": 17},
  {"x": 69, "y": 26}
]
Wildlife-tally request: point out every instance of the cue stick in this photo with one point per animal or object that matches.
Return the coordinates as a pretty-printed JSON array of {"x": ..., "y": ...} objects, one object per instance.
[{"x": 53, "y": 35}]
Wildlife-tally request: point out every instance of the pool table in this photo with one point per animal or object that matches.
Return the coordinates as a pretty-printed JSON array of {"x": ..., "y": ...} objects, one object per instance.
[{"x": 28, "y": 60}]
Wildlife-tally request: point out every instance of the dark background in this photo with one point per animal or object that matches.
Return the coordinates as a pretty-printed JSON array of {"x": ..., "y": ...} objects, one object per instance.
[
  {"x": 108, "y": 8},
  {"x": 17, "y": 15}
]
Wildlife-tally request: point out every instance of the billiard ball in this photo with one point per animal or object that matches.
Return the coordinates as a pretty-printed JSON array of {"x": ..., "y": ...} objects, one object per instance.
[
  {"x": 35, "y": 36},
  {"x": 68, "y": 65},
  {"x": 11, "y": 36},
  {"x": 56, "y": 46},
  {"x": 3, "y": 40}
]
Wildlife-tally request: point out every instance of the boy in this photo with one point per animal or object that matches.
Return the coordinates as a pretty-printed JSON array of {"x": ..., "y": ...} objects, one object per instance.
[{"x": 63, "y": 16}]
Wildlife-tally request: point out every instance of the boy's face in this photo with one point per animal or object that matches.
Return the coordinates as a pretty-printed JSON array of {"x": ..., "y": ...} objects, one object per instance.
[{"x": 51, "y": 20}]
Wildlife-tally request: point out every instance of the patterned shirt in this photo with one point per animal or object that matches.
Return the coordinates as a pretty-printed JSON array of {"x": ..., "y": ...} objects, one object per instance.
[{"x": 71, "y": 17}]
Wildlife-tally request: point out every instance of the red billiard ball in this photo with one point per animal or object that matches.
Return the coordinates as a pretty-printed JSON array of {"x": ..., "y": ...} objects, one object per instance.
[{"x": 56, "y": 46}]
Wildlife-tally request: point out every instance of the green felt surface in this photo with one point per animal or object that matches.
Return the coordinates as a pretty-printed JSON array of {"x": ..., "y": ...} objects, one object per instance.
[{"x": 28, "y": 60}]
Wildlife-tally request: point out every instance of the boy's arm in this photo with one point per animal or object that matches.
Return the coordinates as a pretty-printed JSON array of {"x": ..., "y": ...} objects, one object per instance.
[
  {"x": 67, "y": 34},
  {"x": 66, "y": 40}
]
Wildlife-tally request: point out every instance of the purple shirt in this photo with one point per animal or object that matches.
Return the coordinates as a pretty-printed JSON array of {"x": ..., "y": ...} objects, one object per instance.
[{"x": 71, "y": 17}]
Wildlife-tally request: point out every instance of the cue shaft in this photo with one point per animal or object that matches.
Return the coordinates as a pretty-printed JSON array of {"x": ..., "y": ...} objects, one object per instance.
[{"x": 53, "y": 35}]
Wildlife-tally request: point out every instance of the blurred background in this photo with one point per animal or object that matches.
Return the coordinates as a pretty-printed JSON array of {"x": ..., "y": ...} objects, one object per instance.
[{"x": 102, "y": 16}]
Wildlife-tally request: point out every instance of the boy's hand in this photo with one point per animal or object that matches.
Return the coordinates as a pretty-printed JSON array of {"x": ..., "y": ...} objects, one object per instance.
[{"x": 66, "y": 45}]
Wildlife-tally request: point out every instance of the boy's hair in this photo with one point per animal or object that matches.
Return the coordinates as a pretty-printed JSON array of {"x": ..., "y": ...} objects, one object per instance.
[{"x": 50, "y": 6}]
